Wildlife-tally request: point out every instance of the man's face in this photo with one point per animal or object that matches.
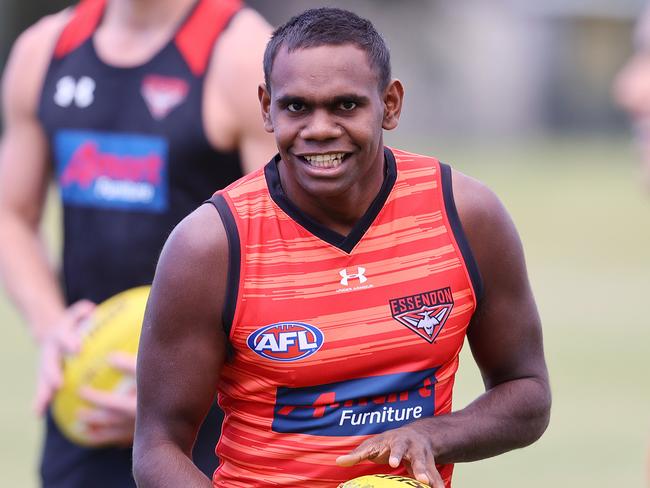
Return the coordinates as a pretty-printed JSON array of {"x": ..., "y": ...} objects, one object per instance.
[
  {"x": 327, "y": 114},
  {"x": 632, "y": 90}
]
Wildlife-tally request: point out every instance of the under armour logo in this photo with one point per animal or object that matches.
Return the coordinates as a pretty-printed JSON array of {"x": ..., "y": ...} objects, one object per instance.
[
  {"x": 69, "y": 90},
  {"x": 360, "y": 275}
]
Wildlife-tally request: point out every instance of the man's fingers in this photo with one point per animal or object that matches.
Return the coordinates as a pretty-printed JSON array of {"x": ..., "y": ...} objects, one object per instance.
[
  {"x": 124, "y": 403},
  {"x": 123, "y": 361},
  {"x": 435, "y": 480},
  {"x": 69, "y": 341},
  {"x": 108, "y": 435},
  {"x": 397, "y": 450},
  {"x": 50, "y": 378},
  {"x": 68, "y": 331},
  {"x": 50, "y": 369},
  {"x": 100, "y": 418},
  {"x": 431, "y": 478},
  {"x": 361, "y": 452},
  {"x": 423, "y": 468},
  {"x": 102, "y": 426},
  {"x": 81, "y": 309},
  {"x": 42, "y": 397},
  {"x": 396, "y": 454},
  {"x": 46, "y": 386},
  {"x": 349, "y": 459},
  {"x": 76, "y": 315},
  {"x": 63, "y": 338}
]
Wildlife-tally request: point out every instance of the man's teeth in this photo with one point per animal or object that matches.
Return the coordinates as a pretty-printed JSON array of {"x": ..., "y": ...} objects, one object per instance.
[{"x": 325, "y": 160}]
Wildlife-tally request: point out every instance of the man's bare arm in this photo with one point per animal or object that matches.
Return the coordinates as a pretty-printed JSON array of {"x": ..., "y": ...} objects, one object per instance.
[
  {"x": 26, "y": 271},
  {"x": 505, "y": 336},
  {"x": 24, "y": 178},
  {"x": 181, "y": 352}
]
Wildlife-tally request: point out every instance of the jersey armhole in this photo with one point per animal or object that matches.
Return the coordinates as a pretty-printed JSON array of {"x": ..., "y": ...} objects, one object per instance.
[
  {"x": 85, "y": 18},
  {"x": 234, "y": 261},
  {"x": 196, "y": 38},
  {"x": 459, "y": 233}
]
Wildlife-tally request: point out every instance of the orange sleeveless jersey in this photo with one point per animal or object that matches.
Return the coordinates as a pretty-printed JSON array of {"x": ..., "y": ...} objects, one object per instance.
[{"x": 337, "y": 338}]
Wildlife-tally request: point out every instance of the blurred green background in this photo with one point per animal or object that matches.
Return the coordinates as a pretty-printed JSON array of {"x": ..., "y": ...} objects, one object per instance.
[{"x": 516, "y": 94}]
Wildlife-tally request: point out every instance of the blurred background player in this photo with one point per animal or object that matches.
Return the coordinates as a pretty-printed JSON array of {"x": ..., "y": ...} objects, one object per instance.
[
  {"x": 139, "y": 109},
  {"x": 632, "y": 91}
]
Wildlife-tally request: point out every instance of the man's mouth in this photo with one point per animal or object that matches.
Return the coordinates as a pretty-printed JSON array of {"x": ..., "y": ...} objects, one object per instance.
[{"x": 327, "y": 161}]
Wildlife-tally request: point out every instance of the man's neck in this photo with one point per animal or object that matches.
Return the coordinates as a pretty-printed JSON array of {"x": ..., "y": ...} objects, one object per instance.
[
  {"x": 339, "y": 213},
  {"x": 145, "y": 15},
  {"x": 133, "y": 31}
]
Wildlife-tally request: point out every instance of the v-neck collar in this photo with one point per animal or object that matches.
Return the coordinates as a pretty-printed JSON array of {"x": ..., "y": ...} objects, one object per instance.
[{"x": 344, "y": 242}]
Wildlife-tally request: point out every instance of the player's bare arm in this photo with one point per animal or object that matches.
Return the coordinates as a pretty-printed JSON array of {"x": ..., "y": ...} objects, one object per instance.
[
  {"x": 182, "y": 348},
  {"x": 24, "y": 176},
  {"x": 231, "y": 111},
  {"x": 505, "y": 334},
  {"x": 506, "y": 341}
]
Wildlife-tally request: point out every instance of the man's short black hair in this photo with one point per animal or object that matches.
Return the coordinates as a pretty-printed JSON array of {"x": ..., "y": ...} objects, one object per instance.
[{"x": 329, "y": 26}]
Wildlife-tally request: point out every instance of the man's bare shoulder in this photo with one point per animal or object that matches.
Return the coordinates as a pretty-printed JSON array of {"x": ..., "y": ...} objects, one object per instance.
[
  {"x": 247, "y": 29},
  {"x": 30, "y": 57},
  {"x": 238, "y": 54},
  {"x": 486, "y": 222},
  {"x": 492, "y": 236},
  {"x": 231, "y": 111},
  {"x": 42, "y": 35},
  {"x": 475, "y": 202},
  {"x": 194, "y": 260},
  {"x": 201, "y": 235}
]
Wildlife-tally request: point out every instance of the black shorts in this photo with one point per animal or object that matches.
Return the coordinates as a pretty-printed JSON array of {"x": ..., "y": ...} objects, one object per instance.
[{"x": 68, "y": 465}]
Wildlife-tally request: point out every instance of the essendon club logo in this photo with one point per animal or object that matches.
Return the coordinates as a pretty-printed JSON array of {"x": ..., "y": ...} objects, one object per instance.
[
  {"x": 424, "y": 313},
  {"x": 162, "y": 94}
]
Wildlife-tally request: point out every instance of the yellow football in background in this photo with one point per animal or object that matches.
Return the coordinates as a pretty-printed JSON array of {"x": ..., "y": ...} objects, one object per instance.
[
  {"x": 114, "y": 327},
  {"x": 383, "y": 481}
]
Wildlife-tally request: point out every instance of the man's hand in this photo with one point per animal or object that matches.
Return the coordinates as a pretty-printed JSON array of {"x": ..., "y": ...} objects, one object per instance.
[
  {"x": 111, "y": 420},
  {"x": 406, "y": 444},
  {"x": 63, "y": 338}
]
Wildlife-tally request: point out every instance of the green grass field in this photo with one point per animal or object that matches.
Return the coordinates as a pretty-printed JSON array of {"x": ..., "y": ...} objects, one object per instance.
[{"x": 585, "y": 224}]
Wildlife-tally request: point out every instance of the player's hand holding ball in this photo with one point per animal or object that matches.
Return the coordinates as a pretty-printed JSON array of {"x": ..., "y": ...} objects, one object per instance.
[
  {"x": 405, "y": 444},
  {"x": 96, "y": 403},
  {"x": 63, "y": 338},
  {"x": 109, "y": 418}
]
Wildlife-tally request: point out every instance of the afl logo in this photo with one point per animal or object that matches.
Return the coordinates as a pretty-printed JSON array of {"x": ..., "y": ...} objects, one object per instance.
[{"x": 286, "y": 341}]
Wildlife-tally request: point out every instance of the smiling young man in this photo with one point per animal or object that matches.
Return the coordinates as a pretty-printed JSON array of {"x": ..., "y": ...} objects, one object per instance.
[{"x": 327, "y": 297}]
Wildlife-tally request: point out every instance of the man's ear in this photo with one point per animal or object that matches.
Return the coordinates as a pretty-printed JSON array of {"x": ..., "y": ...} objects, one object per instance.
[
  {"x": 393, "y": 98},
  {"x": 265, "y": 105}
]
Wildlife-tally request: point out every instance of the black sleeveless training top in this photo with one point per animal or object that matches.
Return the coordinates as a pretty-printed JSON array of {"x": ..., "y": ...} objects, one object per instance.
[{"x": 130, "y": 154}]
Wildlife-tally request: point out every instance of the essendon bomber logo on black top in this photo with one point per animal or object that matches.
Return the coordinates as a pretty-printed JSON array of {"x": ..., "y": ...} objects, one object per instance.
[{"x": 424, "y": 313}]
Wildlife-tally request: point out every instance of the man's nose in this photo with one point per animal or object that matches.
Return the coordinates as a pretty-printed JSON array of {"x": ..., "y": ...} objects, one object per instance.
[{"x": 321, "y": 126}]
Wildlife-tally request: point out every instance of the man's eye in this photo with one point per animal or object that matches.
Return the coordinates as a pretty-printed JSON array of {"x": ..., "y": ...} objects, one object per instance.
[
  {"x": 295, "y": 107},
  {"x": 347, "y": 106}
]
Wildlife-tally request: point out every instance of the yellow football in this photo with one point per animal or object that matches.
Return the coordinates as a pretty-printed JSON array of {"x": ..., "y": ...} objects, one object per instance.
[
  {"x": 383, "y": 481},
  {"x": 114, "y": 327}
]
